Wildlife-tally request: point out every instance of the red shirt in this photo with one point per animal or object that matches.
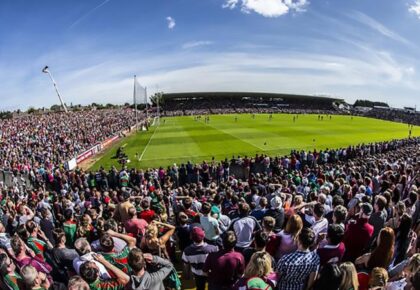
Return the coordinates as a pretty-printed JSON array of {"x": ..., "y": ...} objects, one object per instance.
[
  {"x": 356, "y": 238},
  {"x": 135, "y": 226},
  {"x": 147, "y": 215},
  {"x": 331, "y": 253},
  {"x": 224, "y": 268}
]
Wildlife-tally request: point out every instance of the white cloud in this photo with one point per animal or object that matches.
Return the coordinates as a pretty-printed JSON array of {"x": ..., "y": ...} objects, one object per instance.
[
  {"x": 268, "y": 8},
  {"x": 171, "y": 22},
  {"x": 377, "y": 26},
  {"x": 415, "y": 8},
  {"x": 193, "y": 44}
]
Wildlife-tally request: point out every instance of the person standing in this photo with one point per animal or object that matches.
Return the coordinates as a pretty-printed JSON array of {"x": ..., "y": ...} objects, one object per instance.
[
  {"x": 195, "y": 255},
  {"x": 299, "y": 269},
  {"x": 226, "y": 266}
]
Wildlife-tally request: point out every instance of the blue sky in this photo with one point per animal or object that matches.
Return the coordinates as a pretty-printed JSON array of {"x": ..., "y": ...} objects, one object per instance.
[{"x": 351, "y": 49}]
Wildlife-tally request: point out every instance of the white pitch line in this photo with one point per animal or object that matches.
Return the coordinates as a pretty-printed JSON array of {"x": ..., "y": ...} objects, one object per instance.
[{"x": 147, "y": 145}]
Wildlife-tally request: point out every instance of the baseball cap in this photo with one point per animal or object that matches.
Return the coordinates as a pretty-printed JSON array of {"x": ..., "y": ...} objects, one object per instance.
[
  {"x": 367, "y": 208},
  {"x": 197, "y": 234}
]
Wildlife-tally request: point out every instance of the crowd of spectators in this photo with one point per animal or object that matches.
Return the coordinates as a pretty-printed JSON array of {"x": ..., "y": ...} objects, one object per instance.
[
  {"x": 334, "y": 219},
  {"x": 242, "y": 105},
  {"x": 396, "y": 115},
  {"x": 44, "y": 141}
]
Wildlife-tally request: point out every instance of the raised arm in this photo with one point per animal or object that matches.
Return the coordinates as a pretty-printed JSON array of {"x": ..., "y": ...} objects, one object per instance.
[
  {"x": 168, "y": 234},
  {"x": 131, "y": 242},
  {"x": 121, "y": 276}
]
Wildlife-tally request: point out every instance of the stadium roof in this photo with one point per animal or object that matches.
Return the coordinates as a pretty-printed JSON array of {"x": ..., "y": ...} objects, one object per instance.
[{"x": 202, "y": 95}]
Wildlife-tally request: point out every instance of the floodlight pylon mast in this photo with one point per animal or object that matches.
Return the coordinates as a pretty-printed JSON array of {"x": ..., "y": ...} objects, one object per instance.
[{"x": 47, "y": 71}]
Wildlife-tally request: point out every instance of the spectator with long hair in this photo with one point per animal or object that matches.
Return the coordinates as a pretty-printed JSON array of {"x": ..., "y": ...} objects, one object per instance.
[
  {"x": 256, "y": 275},
  {"x": 349, "y": 279},
  {"x": 382, "y": 255},
  {"x": 288, "y": 238}
]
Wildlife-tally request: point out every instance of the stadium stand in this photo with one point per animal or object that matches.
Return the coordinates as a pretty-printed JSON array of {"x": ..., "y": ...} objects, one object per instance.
[
  {"x": 225, "y": 102},
  {"x": 345, "y": 218}
]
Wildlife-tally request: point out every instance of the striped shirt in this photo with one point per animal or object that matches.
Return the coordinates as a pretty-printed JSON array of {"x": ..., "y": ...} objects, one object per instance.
[{"x": 195, "y": 255}]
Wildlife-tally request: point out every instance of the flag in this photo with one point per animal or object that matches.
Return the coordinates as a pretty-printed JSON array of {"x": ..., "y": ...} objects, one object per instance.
[{"x": 140, "y": 93}]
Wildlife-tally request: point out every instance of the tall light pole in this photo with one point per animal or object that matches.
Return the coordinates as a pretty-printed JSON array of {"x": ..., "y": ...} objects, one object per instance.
[{"x": 45, "y": 70}]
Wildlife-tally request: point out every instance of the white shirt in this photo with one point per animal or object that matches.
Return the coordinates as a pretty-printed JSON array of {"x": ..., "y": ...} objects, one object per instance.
[
  {"x": 320, "y": 227},
  {"x": 77, "y": 262}
]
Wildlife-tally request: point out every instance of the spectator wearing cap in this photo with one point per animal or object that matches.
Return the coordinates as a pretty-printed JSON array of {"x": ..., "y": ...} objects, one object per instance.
[
  {"x": 194, "y": 257},
  {"x": 244, "y": 227},
  {"x": 299, "y": 269},
  {"x": 361, "y": 229},
  {"x": 277, "y": 212},
  {"x": 379, "y": 217},
  {"x": 226, "y": 266}
]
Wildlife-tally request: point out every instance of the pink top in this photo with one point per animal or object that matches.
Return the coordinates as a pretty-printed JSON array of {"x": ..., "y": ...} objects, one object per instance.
[{"x": 287, "y": 245}]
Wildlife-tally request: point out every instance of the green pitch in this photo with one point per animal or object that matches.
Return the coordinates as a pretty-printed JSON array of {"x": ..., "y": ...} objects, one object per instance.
[{"x": 179, "y": 139}]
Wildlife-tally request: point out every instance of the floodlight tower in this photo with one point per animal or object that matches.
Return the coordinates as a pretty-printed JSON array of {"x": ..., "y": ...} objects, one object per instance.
[{"x": 47, "y": 71}]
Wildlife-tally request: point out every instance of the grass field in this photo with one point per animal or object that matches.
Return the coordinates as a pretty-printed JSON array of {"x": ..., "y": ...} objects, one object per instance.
[{"x": 179, "y": 139}]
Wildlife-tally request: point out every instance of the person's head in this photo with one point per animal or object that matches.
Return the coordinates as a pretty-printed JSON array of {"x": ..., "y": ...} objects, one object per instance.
[
  {"x": 382, "y": 255},
  {"x": 306, "y": 238},
  {"x": 107, "y": 243},
  {"x": 294, "y": 226},
  {"x": 339, "y": 214},
  {"x": 259, "y": 265},
  {"x": 319, "y": 210},
  {"x": 187, "y": 203},
  {"x": 329, "y": 278},
  {"x": 404, "y": 226},
  {"x": 335, "y": 234},
  {"x": 380, "y": 203},
  {"x": 31, "y": 227},
  {"x": 89, "y": 271},
  {"x": 6, "y": 264},
  {"x": 136, "y": 260},
  {"x": 366, "y": 210},
  {"x": 68, "y": 214},
  {"x": 77, "y": 283},
  {"x": 229, "y": 240},
  {"x": 59, "y": 236},
  {"x": 182, "y": 218},
  {"x": 206, "y": 208},
  {"x": 276, "y": 202},
  {"x": 34, "y": 279},
  {"x": 151, "y": 232},
  {"x": 17, "y": 244},
  {"x": 82, "y": 246},
  {"x": 378, "y": 278},
  {"x": 413, "y": 265},
  {"x": 244, "y": 209},
  {"x": 145, "y": 204},
  {"x": 197, "y": 235},
  {"x": 349, "y": 276},
  {"x": 260, "y": 239},
  {"x": 268, "y": 223}
]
